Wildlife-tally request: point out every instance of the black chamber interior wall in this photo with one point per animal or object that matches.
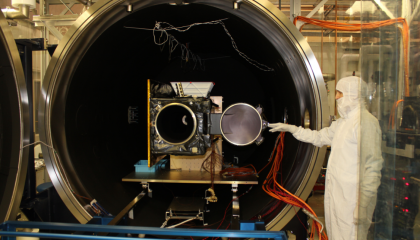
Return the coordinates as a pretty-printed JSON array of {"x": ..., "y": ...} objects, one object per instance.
[{"x": 112, "y": 76}]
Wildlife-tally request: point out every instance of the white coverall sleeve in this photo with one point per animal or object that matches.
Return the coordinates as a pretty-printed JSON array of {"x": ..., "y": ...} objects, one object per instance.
[
  {"x": 370, "y": 160},
  {"x": 318, "y": 138}
]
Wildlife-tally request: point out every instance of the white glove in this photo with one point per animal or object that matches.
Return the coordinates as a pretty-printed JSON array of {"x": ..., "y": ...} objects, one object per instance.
[
  {"x": 281, "y": 127},
  {"x": 359, "y": 215}
]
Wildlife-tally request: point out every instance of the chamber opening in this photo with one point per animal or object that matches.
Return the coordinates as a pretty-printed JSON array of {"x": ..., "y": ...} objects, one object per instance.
[
  {"x": 241, "y": 124},
  {"x": 176, "y": 123},
  {"x": 106, "y": 71}
]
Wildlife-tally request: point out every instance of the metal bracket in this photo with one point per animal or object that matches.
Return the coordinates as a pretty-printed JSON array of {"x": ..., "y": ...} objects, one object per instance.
[
  {"x": 50, "y": 26},
  {"x": 237, "y": 4},
  {"x": 180, "y": 89},
  {"x": 129, "y": 8},
  {"x": 55, "y": 20},
  {"x": 235, "y": 207},
  {"x": 125, "y": 211},
  {"x": 295, "y": 9},
  {"x": 171, "y": 215},
  {"x": 285, "y": 116},
  {"x": 146, "y": 186}
]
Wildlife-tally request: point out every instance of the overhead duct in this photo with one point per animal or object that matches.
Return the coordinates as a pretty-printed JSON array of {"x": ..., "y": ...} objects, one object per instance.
[{"x": 100, "y": 68}]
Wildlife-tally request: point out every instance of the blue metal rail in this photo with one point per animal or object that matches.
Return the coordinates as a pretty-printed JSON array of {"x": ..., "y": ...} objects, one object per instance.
[{"x": 9, "y": 231}]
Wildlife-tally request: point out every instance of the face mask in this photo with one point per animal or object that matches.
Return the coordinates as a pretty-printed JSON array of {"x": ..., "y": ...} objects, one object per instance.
[
  {"x": 341, "y": 108},
  {"x": 344, "y": 106}
]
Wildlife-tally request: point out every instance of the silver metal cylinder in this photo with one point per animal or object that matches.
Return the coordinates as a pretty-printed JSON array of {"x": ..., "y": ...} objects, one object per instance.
[{"x": 129, "y": 8}]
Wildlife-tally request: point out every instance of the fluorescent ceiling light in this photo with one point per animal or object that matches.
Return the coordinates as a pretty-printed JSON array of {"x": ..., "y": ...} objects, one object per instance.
[{"x": 361, "y": 6}]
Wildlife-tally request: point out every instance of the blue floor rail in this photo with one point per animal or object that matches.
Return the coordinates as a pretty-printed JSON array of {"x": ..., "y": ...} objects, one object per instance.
[{"x": 8, "y": 231}]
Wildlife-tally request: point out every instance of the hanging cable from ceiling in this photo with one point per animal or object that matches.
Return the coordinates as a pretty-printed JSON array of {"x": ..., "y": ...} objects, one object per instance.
[{"x": 163, "y": 27}]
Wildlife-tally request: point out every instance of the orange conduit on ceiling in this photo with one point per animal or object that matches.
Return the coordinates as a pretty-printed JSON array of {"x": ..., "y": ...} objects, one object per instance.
[{"x": 373, "y": 25}]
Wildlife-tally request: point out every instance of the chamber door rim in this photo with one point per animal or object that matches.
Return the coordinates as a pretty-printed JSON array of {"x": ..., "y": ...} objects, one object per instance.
[{"x": 15, "y": 182}]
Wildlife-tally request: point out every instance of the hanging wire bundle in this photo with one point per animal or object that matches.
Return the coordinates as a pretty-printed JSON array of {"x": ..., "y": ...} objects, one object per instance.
[
  {"x": 186, "y": 53},
  {"x": 165, "y": 37},
  {"x": 276, "y": 190},
  {"x": 239, "y": 171},
  {"x": 215, "y": 159}
]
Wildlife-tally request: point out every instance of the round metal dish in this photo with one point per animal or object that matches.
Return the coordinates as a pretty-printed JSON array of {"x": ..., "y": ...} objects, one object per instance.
[{"x": 241, "y": 124}]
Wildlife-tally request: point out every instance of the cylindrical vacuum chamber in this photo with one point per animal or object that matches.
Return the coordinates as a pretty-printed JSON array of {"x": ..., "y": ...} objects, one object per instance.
[
  {"x": 100, "y": 68},
  {"x": 14, "y": 125}
]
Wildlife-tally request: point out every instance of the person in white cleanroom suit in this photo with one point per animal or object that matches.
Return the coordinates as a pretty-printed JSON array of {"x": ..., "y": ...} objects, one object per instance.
[{"x": 355, "y": 163}]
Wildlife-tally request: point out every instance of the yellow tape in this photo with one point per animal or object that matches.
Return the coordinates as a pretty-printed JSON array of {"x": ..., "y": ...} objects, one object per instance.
[{"x": 148, "y": 124}]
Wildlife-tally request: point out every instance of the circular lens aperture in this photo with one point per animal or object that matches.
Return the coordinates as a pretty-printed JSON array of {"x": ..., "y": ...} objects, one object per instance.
[{"x": 176, "y": 123}]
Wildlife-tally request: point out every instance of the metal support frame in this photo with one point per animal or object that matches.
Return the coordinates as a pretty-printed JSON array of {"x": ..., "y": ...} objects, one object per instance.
[
  {"x": 25, "y": 48},
  {"x": 147, "y": 187},
  {"x": 49, "y": 22},
  {"x": 130, "y": 206},
  {"x": 9, "y": 231},
  {"x": 43, "y": 9},
  {"x": 68, "y": 8},
  {"x": 295, "y": 9},
  {"x": 51, "y": 27},
  {"x": 170, "y": 215},
  {"x": 55, "y": 20},
  {"x": 235, "y": 208},
  {"x": 384, "y": 9},
  {"x": 58, "y": 2},
  {"x": 315, "y": 10}
]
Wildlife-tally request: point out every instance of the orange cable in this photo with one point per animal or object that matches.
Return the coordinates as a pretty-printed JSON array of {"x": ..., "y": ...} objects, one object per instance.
[
  {"x": 369, "y": 26},
  {"x": 283, "y": 194},
  {"x": 391, "y": 123}
]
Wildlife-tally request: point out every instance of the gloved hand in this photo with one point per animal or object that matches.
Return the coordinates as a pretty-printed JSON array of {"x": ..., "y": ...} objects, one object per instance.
[
  {"x": 281, "y": 127},
  {"x": 359, "y": 215}
]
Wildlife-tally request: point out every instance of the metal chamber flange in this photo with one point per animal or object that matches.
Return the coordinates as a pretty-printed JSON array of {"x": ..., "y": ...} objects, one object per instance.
[{"x": 14, "y": 125}]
